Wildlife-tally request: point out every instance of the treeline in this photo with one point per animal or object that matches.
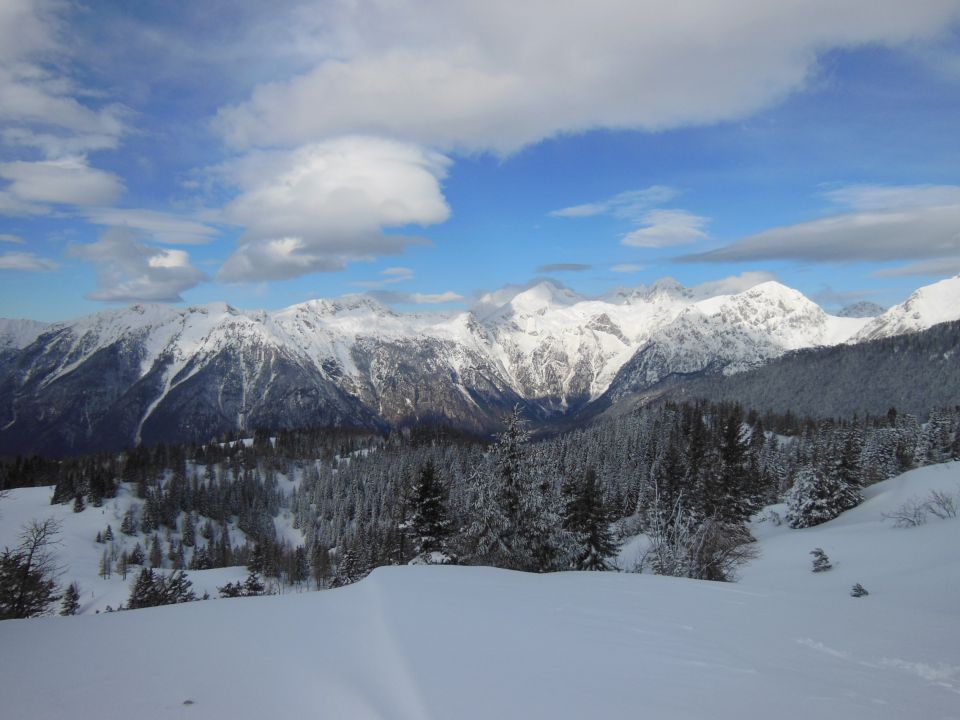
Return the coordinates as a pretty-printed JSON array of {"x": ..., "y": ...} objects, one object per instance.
[{"x": 689, "y": 475}]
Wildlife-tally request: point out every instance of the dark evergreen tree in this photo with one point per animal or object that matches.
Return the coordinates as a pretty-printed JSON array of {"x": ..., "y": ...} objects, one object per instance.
[
  {"x": 821, "y": 562},
  {"x": 430, "y": 524},
  {"x": 78, "y": 504},
  {"x": 70, "y": 603},
  {"x": 589, "y": 524}
]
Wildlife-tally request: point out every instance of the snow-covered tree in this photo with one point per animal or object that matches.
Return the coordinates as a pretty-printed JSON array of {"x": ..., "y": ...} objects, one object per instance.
[{"x": 815, "y": 498}]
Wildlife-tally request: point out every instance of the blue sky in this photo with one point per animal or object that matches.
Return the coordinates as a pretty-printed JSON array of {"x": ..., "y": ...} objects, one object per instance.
[{"x": 426, "y": 152}]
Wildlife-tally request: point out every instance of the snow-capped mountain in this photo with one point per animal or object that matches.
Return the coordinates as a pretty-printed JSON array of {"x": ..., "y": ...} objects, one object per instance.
[
  {"x": 730, "y": 333},
  {"x": 158, "y": 373},
  {"x": 925, "y": 308}
]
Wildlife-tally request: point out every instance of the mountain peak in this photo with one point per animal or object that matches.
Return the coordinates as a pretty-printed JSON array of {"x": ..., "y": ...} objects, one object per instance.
[{"x": 862, "y": 309}]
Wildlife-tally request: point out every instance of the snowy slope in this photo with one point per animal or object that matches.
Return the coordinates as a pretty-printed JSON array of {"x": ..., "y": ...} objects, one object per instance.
[
  {"x": 925, "y": 308},
  {"x": 16, "y": 334},
  {"x": 452, "y": 642}
]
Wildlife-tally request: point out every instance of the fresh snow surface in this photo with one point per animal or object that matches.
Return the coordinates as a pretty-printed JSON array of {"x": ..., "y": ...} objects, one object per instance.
[
  {"x": 17, "y": 334},
  {"x": 455, "y": 642},
  {"x": 928, "y": 306}
]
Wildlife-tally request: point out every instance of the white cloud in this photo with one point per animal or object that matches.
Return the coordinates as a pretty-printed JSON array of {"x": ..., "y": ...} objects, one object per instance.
[
  {"x": 733, "y": 284},
  {"x": 7, "y": 237},
  {"x": 57, "y": 145},
  {"x": 325, "y": 204},
  {"x": 666, "y": 228},
  {"x": 630, "y": 205},
  {"x": 563, "y": 267},
  {"x": 627, "y": 268},
  {"x": 161, "y": 227},
  {"x": 389, "y": 276},
  {"x": 26, "y": 261},
  {"x": 498, "y": 74},
  {"x": 130, "y": 271},
  {"x": 886, "y": 223},
  {"x": 941, "y": 267},
  {"x": 34, "y": 90},
  {"x": 894, "y": 197},
  {"x": 69, "y": 181},
  {"x": 436, "y": 298}
]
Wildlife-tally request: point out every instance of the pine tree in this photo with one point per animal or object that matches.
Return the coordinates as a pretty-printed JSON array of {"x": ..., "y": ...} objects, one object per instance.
[
  {"x": 517, "y": 515},
  {"x": 136, "y": 556},
  {"x": 189, "y": 531},
  {"x": 128, "y": 526},
  {"x": 156, "y": 553},
  {"x": 858, "y": 591},
  {"x": 78, "y": 504},
  {"x": 104, "y": 570},
  {"x": 71, "y": 600},
  {"x": 589, "y": 524},
  {"x": 320, "y": 564},
  {"x": 821, "y": 563},
  {"x": 108, "y": 535},
  {"x": 815, "y": 498},
  {"x": 430, "y": 524},
  {"x": 354, "y": 565}
]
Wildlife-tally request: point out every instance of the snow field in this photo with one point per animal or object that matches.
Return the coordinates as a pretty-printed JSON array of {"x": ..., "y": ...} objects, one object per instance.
[{"x": 457, "y": 642}]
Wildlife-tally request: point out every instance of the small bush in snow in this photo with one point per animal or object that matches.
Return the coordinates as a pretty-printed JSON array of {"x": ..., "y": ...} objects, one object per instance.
[
  {"x": 911, "y": 514},
  {"x": 858, "y": 590},
  {"x": 942, "y": 504},
  {"x": 820, "y": 560}
]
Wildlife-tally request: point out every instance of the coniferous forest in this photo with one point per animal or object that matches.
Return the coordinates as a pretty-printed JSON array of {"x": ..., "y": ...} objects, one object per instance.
[{"x": 689, "y": 476}]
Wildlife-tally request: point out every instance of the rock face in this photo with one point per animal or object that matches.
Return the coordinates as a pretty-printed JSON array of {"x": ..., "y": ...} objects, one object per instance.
[
  {"x": 863, "y": 309},
  {"x": 160, "y": 374}
]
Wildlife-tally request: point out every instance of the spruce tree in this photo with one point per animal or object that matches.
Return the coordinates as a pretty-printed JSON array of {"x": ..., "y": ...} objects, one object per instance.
[
  {"x": 589, "y": 524},
  {"x": 430, "y": 524},
  {"x": 821, "y": 563},
  {"x": 815, "y": 498},
  {"x": 70, "y": 603}
]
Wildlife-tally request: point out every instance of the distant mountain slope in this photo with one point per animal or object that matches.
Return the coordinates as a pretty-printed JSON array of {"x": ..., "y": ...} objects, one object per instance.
[
  {"x": 925, "y": 308},
  {"x": 914, "y": 373}
]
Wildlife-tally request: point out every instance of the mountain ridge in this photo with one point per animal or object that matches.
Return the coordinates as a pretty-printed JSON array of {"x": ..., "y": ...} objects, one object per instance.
[{"x": 153, "y": 373}]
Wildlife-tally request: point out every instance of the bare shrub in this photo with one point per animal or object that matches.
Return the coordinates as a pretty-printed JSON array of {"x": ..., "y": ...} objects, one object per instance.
[{"x": 911, "y": 514}]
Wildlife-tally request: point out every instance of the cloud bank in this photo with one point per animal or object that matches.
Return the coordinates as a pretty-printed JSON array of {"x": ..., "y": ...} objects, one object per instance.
[
  {"x": 323, "y": 205},
  {"x": 498, "y": 75},
  {"x": 130, "y": 271},
  {"x": 883, "y": 223}
]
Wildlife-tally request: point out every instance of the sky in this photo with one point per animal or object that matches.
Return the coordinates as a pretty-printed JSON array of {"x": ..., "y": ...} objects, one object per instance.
[{"x": 426, "y": 152}]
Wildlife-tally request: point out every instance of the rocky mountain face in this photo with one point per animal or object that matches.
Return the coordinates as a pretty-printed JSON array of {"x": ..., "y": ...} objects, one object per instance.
[{"x": 160, "y": 374}]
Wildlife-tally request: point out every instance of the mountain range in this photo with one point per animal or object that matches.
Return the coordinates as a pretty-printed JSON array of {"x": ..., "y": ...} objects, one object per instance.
[{"x": 152, "y": 373}]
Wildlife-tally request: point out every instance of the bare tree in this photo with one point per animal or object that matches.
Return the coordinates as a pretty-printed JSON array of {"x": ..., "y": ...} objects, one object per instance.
[{"x": 29, "y": 573}]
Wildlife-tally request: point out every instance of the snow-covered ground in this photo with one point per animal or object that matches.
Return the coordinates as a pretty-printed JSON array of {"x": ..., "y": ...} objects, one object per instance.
[{"x": 455, "y": 642}]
